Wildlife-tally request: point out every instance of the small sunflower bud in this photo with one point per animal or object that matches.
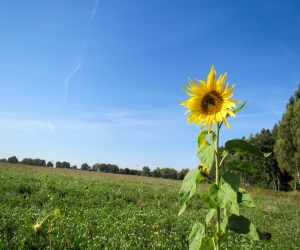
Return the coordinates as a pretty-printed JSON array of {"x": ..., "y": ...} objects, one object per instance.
[{"x": 37, "y": 228}]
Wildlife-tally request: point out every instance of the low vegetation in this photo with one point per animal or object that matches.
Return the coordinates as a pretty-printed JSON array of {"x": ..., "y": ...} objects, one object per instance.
[{"x": 111, "y": 211}]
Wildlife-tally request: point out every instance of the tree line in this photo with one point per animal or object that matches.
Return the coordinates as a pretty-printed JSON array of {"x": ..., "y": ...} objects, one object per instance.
[
  {"x": 280, "y": 171},
  {"x": 167, "y": 173}
]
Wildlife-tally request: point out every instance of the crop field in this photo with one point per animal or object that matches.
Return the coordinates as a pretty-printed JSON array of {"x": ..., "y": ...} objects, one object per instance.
[{"x": 89, "y": 210}]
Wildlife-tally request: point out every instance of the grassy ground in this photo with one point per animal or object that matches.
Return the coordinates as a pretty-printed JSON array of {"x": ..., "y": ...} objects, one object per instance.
[{"x": 108, "y": 211}]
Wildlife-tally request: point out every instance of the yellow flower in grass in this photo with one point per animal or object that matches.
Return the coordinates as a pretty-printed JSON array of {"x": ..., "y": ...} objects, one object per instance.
[
  {"x": 38, "y": 227},
  {"x": 209, "y": 101}
]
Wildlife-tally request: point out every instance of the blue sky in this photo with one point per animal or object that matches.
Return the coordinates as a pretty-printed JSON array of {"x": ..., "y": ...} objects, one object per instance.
[{"x": 102, "y": 81}]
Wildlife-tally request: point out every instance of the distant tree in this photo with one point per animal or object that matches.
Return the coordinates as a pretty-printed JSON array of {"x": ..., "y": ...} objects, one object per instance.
[
  {"x": 85, "y": 166},
  {"x": 182, "y": 173},
  {"x": 74, "y": 167},
  {"x": 127, "y": 171},
  {"x": 287, "y": 147},
  {"x": 121, "y": 171},
  {"x": 58, "y": 164},
  {"x": 146, "y": 171},
  {"x": 26, "y": 161},
  {"x": 96, "y": 167},
  {"x": 103, "y": 167},
  {"x": 65, "y": 164},
  {"x": 13, "y": 159},
  {"x": 3, "y": 160},
  {"x": 112, "y": 168},
  {"x": 38, "y": 162},
  {"x": 156, "y": 173},
  {"x": 265, "y": 142},
  {"x": 133, "y": 172},
  {"x": 49, "y": 164},
  {"x": 169, "y": 173}
]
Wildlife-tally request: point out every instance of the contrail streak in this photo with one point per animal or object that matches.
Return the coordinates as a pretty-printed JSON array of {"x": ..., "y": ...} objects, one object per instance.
[
  {"x": 51, "y": 127},
  {"x": 56, "y": 110},
  {"x": 75, "y": 69},
  {"x": 95, "y": 9}
]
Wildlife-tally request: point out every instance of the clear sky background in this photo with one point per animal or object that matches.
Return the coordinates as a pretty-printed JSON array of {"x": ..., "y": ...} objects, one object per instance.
[{"x": 102, "y": 81}]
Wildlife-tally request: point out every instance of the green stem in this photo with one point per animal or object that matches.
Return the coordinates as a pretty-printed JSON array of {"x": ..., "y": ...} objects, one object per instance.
[
  {"x": 217, "y": 183},
  {"x": 223, "y": 159},
  {"x": 225, "y": 211}
]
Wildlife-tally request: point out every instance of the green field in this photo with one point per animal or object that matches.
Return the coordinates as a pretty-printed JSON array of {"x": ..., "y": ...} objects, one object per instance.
[{"x": 110, "y": 211}]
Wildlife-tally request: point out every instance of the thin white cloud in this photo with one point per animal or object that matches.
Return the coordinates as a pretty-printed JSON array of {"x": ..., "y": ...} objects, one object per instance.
[
  {"x": 19, "y": 124},
  {"x": 94, "y": 9},
  {"x": 56, "y": 110},
  {"x": 51, "y": 127},
  {"x": 101, "y": 125},
  {"x": 66, "y": 82}
]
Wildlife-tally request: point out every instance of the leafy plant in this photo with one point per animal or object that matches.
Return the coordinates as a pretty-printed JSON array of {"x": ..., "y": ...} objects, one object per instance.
[{"x": 210, "y": 104}]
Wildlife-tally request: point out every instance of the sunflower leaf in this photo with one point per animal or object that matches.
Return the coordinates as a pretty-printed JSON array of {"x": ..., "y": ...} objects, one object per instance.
[
  {"x": 208, "y": 243},
  {"x": 188, "y": 188},
  {"x": 225, "y": 197},
  {"x": 201, "y": 137},
  {"x": 213, "y": 137},
  {"x": 244, "y": 147},
  {"x": 245, "y": 198},
  {"x": 206, "y": 155},
  {"x": 240, "y": 107},
  {"x": 209, "y": 216},
  {"x": 243, "y": 226},
  {"x": 205, "y": 198},
  {"x": 196, "y": 236},
  {"x": 224, "y": 223},
  {"x": 241, "y": 166},
  {"x": 231, "y": 179}
]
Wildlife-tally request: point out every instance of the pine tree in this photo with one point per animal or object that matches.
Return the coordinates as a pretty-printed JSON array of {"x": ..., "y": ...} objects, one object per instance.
[{"x": 287, "y": 147}]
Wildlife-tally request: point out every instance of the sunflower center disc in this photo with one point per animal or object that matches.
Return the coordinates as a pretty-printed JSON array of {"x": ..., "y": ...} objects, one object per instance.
[{"x": 212, "y": 103}]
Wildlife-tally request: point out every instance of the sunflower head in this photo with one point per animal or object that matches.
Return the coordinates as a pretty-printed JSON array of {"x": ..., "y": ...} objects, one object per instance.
[
  {"x": 209, "y": 101},
  {"x": 203, "y": 168}
]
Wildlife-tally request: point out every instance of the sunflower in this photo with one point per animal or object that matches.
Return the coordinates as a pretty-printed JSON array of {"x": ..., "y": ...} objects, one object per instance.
[
  {"x": 209, "y": 102},
  {"x": 203, "y": 168}
]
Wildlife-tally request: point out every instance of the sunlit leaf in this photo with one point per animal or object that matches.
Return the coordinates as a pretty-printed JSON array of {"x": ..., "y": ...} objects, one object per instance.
[
  {"x": 232, "y": 179},
  {"x": 225, "y": 197},
  {"x": 240, "y": 107},
  {"x": 244, "y": 147},
  {"x": 213, "y": 137},
  {"x": 241, "y": 166},
  {"x": 196, "y": 236},
  {"x": 201, "y": 137},
  {"x": 224, "y": 223},
  {"x": 206, "y": 198},
  {"x": 245, "y": 198},
  {"x": 243, "y": 226},
  {"x": 57, "y": 213},
  {"x": 209, "y": 216},
  {"x": 206, "y": 155},
  {"x": 225, "y": 153},
  {"x": 208, "y": 243},
  {"x": 188, "y": 188}
]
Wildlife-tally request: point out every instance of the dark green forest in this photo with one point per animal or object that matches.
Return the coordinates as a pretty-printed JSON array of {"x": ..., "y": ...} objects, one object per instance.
[{"x": 280, "y": 171}]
